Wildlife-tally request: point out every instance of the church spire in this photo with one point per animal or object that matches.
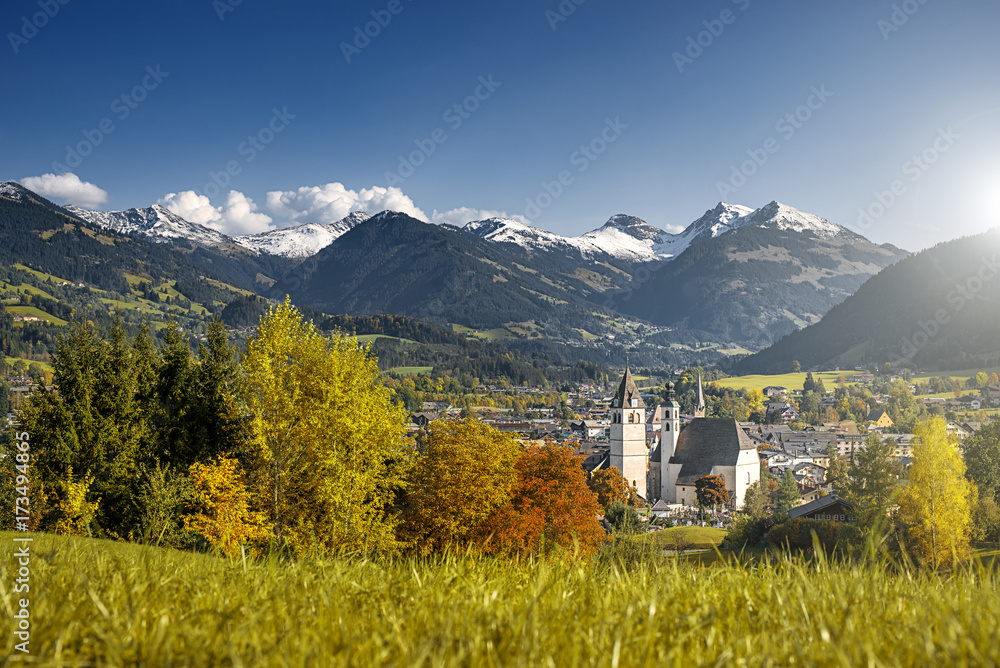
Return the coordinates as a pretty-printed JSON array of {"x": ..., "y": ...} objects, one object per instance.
[
  {"x": 628, "y": 395},
  {"x": 699, "y": 409}
]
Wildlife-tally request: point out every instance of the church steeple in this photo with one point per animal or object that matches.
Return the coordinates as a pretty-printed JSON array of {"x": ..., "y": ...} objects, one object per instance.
[
  {"x": 699, "y": 409},
  {"x": 627, "y": 395}
]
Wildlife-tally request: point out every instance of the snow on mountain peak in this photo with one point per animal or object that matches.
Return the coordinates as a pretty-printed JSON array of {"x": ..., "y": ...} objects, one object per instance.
[
  {"x": 13, "y": 190},
  {"x": 784, "y": 217},
  {"x": 157, "y": 223},
  {"x": 302, "y": 240}
]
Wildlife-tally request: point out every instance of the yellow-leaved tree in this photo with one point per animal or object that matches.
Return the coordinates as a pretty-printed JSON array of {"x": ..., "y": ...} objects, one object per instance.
[
  {"x": 935, "y": 507},
  {"x": 224, "y": 516},
  {"x": 464, "y": 472},
  {"x": 75, "y": 512},
  {"x": 327, "y": 453}
]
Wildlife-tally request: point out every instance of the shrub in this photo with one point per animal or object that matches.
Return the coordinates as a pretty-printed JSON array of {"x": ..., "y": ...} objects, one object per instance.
[
  {"x": 745, "y": 531},
  {"x": 797, "y": 534},
  {"x": 622, "y": 517}
]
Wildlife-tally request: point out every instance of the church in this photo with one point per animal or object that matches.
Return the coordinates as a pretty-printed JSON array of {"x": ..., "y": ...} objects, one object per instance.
[{"x": 706, "y": 446}]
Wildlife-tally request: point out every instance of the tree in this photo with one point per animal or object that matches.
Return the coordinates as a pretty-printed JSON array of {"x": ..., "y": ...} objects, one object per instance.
[
  {"x": 808, "y": 385},
  {"x": 622, "y": 518},
  {"x": 836, "y": 469},
  {"x": 711, "y": 491},
  {"x": 755, "y": 501},
  {"x": 464, "y": 473},
  {"x": 223, "y": 513},
  {"x": 551, "y": 506},
  {"x": 872, "y": 482},
  {"x": 981, "y": 452},
  {"x": 788, "y": 494},
  {"x": 75, "y": 512},
  {"x": 93, "y": 423},
  {"x": 935, "y": 507},
  {"x": 755, "y": 404},
  {"x": 796, "y": 367},
  {"x": 609, "y": 485},
  {"x": 326, "y": 454}
]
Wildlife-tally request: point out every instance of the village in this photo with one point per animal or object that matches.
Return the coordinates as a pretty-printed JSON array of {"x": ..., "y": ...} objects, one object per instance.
[{"x": 632, "y": 430}]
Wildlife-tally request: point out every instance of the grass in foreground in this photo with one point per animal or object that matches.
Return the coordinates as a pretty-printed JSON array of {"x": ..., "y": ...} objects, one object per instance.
[{"x": 100, "y": 603}]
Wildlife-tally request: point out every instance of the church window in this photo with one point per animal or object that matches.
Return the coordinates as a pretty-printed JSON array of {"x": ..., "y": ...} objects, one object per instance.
[
  {"x": 667, "y": 427},
  {"x": 631, "y": 418}
]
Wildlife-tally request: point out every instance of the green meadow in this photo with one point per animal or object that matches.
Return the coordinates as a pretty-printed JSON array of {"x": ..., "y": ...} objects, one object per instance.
[{"x": 100, "y": 603}]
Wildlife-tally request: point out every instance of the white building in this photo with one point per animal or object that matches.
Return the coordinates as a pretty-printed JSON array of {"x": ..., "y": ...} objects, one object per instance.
[
  {"x": 629, "y": 453},
  {"x": 707, "y": 446}
]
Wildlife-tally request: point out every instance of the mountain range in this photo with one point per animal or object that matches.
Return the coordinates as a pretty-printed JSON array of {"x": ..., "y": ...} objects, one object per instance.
[
  {"x": 937, "y": 310},
  {"x": 736, "y": 278}
]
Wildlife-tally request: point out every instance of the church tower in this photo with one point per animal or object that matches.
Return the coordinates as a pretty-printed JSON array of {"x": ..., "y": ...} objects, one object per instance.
[
  {"x": 628, "y": 434},
  {"x": 699, "y": 409},
  {"x": 670, "y": 425}
]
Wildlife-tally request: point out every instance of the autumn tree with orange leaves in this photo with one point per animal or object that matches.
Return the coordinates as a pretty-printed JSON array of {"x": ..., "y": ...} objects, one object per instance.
[
  {"x": 551, "y": 507},
  {"x": 610, "y": 485}
]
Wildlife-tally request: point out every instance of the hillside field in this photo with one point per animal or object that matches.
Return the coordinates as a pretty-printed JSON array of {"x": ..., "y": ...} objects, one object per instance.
[
  {"x": 792, "y": 381},
  {"x": 96, "y": 602}
]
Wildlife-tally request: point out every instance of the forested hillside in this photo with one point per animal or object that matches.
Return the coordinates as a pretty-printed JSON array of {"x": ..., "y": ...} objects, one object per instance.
[{"x": 938, "y": 309}]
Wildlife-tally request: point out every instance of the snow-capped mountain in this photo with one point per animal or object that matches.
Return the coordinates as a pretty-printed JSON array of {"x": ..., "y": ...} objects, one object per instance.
[
  {"x": 156, "y": 222},
  {"x": 14, "y": 190},
  {"x": 302, "y": 240},
  {"x": 505, "y": 230},
  {"x": 630, "y": 238},
  {"x": 785, "y": 217}
]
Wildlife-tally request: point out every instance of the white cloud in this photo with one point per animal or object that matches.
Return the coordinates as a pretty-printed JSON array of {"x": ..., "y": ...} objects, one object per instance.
[
  {"x": 674, "y": 229},
  {"x": 465, "y": 214},
  {"x": 332, "y": 202},
  {"x": 67, "y": 188},
  {"x": 238, "y": 215}
]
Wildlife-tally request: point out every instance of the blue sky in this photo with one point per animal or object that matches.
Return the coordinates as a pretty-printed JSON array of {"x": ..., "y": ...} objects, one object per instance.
[{"x": 679, "y": 105}]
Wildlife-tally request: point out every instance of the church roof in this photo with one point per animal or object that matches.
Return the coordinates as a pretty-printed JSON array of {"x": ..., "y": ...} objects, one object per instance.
[
  {"x": 708, "y": 442},
  {"x": 627, "y": 391},
  {"x": 701, "y": 398}
]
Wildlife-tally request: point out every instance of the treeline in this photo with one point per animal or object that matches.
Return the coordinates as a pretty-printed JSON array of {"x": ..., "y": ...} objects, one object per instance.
[{"x": 294, "y": 445}]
